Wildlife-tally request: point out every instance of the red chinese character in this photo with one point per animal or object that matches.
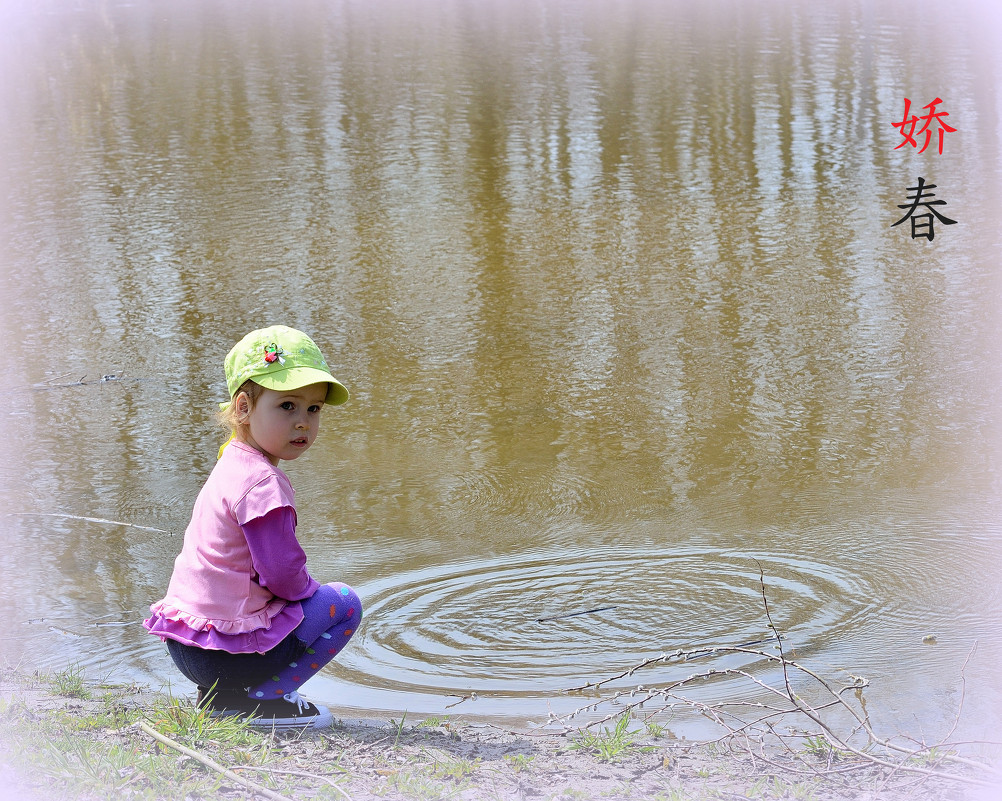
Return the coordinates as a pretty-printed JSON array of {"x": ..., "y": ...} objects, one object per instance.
[{"x": 908, "y": 124}]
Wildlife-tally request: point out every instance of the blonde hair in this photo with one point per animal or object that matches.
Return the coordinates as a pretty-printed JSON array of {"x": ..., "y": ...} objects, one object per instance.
[{"x": 228, "y": 417}]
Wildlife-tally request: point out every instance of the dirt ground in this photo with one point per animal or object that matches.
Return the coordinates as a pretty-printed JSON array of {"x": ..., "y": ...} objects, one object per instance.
[{"x": 362, "y": 760}]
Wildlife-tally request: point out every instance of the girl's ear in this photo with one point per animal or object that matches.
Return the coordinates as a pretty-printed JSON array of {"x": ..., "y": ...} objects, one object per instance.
[{"x": 241, "y": 407}]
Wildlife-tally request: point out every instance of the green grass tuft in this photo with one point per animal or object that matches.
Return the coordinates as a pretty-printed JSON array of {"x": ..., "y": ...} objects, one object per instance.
[{"x": 610, "y": 745}]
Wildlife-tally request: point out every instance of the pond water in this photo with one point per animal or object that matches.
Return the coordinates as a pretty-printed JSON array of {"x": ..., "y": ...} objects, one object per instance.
[{"x": 616, "y": 292}]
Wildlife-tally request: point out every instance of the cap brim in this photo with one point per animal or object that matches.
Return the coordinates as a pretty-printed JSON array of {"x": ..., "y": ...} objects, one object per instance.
[{"x": 298, "y": 377}]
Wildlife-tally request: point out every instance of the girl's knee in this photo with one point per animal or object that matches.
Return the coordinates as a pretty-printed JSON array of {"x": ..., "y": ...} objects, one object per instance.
[
  {"x": 345, "y": 598},
  {"x": 331, "y": 604}
]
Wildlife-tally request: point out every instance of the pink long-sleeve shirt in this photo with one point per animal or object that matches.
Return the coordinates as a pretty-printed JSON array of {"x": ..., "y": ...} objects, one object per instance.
[{"x": 241, "y": 571}]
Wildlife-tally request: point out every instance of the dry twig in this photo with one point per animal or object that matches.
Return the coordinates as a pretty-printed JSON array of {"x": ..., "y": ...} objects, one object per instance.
[{"x": 752, "y": 726}]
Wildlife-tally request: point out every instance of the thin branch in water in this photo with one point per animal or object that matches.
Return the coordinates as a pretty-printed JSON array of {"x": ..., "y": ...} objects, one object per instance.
[
  {"x": 102, "y": 520},
  {"x": 574, "y": 614}
]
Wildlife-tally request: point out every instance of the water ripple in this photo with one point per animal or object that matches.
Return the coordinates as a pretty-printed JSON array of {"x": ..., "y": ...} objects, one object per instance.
[{"x": 522, "y": 625}]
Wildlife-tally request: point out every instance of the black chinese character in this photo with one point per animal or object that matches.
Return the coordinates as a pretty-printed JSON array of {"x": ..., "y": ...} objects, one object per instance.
[{"x": 922, "y": 224}]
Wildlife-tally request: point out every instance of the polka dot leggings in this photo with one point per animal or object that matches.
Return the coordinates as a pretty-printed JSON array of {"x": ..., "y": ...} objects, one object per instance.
[{"x": 331, "y": 616}]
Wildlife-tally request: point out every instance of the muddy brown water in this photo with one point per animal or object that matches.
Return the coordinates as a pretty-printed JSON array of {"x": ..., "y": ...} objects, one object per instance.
[{"x": 615, "y": 290}]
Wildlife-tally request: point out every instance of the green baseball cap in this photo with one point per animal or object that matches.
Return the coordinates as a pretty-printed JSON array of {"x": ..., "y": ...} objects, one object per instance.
[{"x": 280, "y": 358}]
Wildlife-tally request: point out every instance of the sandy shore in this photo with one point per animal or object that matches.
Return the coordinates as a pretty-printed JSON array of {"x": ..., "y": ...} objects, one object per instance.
[{"x": 364, "y": 759}]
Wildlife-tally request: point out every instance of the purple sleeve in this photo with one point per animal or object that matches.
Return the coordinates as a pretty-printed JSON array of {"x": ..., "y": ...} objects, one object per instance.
[{"x": 277, "y": 556}]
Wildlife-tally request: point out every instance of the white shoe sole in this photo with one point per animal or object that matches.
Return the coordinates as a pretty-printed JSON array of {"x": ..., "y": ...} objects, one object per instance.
[{"x": 322, "y": 720}]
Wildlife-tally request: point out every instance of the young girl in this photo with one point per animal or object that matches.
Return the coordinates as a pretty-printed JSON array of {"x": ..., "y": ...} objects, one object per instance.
[{"x": 243, "y": 618}]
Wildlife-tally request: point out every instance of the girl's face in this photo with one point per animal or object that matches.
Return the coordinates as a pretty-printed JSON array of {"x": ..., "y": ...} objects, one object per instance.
[{"x": 281, "y": 424}]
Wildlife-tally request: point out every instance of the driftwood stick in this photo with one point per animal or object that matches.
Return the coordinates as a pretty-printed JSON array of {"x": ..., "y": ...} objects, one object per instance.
[{"x": 229, "y": 774}]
